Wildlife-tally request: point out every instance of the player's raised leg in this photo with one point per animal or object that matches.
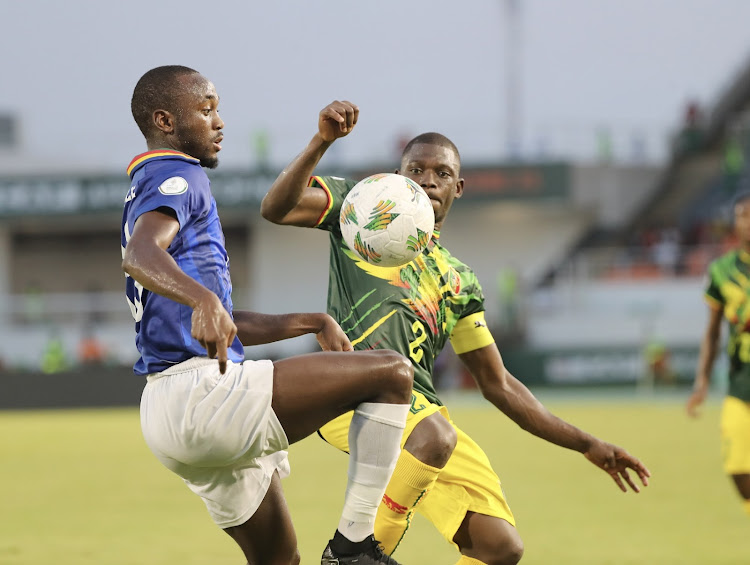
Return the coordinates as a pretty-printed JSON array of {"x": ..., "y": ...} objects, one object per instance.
[{"x": 311, "y": 390}]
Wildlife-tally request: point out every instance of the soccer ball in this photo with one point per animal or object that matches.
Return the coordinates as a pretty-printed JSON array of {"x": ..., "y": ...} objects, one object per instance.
[{"x": 387, "y": 219}]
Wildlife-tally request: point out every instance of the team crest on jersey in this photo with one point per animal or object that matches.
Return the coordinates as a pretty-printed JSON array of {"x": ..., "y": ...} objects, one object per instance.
[
  {"x": 173, "y": 185},
  {"x": 454, "y": 280}
]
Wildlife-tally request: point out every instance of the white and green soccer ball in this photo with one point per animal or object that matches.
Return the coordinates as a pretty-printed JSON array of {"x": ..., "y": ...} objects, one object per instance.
[{"x": 387, "y": 220}]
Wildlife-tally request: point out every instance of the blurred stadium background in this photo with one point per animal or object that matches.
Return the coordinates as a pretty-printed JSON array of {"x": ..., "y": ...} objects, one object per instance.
[
  {"x": 592, "y": 265},
  {"x": 591, "y": 246}
]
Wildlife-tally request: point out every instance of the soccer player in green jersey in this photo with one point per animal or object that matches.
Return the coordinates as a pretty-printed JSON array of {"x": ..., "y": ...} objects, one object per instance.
[
  {"x": 728, "y": 296},
  {"x": 415, "y": 309}
]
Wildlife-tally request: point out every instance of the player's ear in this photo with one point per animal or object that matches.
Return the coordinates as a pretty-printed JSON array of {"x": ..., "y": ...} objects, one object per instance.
[
  {"x": 459, "y": 188},
  {"x": 164, "y": 121}
]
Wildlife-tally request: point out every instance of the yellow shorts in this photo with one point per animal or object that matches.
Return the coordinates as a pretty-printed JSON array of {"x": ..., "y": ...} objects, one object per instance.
[
  {"x": 467, "y": 483},
  {"x": 735, "y": 436}
]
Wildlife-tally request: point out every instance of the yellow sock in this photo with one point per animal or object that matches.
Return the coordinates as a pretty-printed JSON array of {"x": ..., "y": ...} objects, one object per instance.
[
  {"x": 469, "y": 561},
  {"x": 746, "y": 504},
  {"x": 410, "y": 482}
]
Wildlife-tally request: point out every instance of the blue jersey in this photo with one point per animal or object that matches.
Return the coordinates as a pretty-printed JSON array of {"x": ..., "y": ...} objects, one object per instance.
[{"x": 174, "y": 180}]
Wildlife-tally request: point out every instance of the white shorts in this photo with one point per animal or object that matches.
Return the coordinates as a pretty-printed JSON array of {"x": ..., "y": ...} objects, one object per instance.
[{"x": 218, "y": 432}]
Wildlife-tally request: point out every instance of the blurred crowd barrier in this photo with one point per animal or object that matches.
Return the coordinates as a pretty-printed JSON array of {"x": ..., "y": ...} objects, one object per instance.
[
  {"x": 664, "y": 258},
  {"x": 603, "y": 297}
]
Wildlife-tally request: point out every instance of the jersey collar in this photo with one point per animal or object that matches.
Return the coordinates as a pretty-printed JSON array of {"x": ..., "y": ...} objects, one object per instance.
[
  {"x": 156, "y": 155},
  {"x": 433, "y": 241}
]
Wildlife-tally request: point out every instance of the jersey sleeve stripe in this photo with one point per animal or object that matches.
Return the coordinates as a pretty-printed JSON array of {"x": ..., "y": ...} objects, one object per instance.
[
  {"x": 471, "y": 333},
  {"x": 137, "y": 160},
  {"x": 318, "y": 181}
]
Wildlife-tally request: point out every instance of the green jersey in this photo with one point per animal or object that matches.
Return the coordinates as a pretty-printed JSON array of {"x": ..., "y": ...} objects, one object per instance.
[
  {"x": 728, "y": 289},
  {"x": 413, "y": 309}
]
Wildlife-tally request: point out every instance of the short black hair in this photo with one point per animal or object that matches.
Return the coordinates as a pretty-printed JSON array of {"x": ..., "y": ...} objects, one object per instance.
[
  {"x": 432, "y": 138},
  {"x": 155, "y": 90}
]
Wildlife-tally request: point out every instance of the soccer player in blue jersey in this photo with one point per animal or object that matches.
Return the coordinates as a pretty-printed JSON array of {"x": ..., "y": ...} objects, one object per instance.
[
  {"x": 416, "y": 309},
  {"x": 221, "y": 423}
]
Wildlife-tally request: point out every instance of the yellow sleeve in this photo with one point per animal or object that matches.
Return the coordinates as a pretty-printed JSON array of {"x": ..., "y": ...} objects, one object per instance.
[{"x": 471, "y": 333}]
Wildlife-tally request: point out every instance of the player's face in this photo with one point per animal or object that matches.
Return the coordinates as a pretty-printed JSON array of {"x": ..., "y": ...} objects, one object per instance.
[
  {"x": 197, "y": 128},
  {"x": 742, "y": 221},
  {"x": 436, "y": 169}
]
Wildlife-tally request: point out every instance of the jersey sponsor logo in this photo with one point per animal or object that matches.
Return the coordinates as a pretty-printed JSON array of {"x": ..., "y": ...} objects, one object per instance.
[
  {"x": 479, "y": 324},
  {"x": 173, "y": 185}
]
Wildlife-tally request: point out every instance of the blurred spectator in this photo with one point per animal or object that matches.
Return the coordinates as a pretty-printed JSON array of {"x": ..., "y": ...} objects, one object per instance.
[
  {"x": 262, "y": 147},
  {"x": 90, "y": 349},
  {"x": 54, "y": 359},
  {"x": 638, "y": 148},
  {"x": 401, "y": 140},
  {"x": 733, "y": 166},
  {"x": 690, "y": 137},
  {"x": 33, "y": 304},
  {"x": 658, "y": 363},
  {"x": 507, "y": 292},
  {"x": 666, "y": 251}
]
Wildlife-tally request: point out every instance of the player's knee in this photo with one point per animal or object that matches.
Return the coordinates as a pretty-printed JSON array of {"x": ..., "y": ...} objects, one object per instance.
[
  {"x": 432, "y": 441},
  {"x": 400, "y": 375},
  {"x": 507, "y": 551},
  {"x": 492, "y": 542}
]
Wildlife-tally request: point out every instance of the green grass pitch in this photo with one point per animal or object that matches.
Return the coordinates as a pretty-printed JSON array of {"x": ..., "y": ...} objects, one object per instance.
[{"x": 80, "y": 487}]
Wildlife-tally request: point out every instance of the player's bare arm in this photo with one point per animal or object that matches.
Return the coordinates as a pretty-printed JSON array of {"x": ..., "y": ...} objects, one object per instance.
[
  {"x": 290, "y": 201},
  {"x": 254, "y": 328},
  {"x": 147, "y": 261},
  {"x": 709, "y": 348},
  {"x": 517, "y": 402}
]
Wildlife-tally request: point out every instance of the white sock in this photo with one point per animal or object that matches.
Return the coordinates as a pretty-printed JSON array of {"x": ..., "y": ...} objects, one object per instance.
[{"x": 374, "y": 446}]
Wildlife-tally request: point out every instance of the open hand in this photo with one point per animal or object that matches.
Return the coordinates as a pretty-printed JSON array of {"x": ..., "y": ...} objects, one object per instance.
[{"x": 616, "y": 461}]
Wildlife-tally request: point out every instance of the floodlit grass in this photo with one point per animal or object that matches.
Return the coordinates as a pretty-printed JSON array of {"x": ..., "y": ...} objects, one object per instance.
[{"x": 80, "y": 487}]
